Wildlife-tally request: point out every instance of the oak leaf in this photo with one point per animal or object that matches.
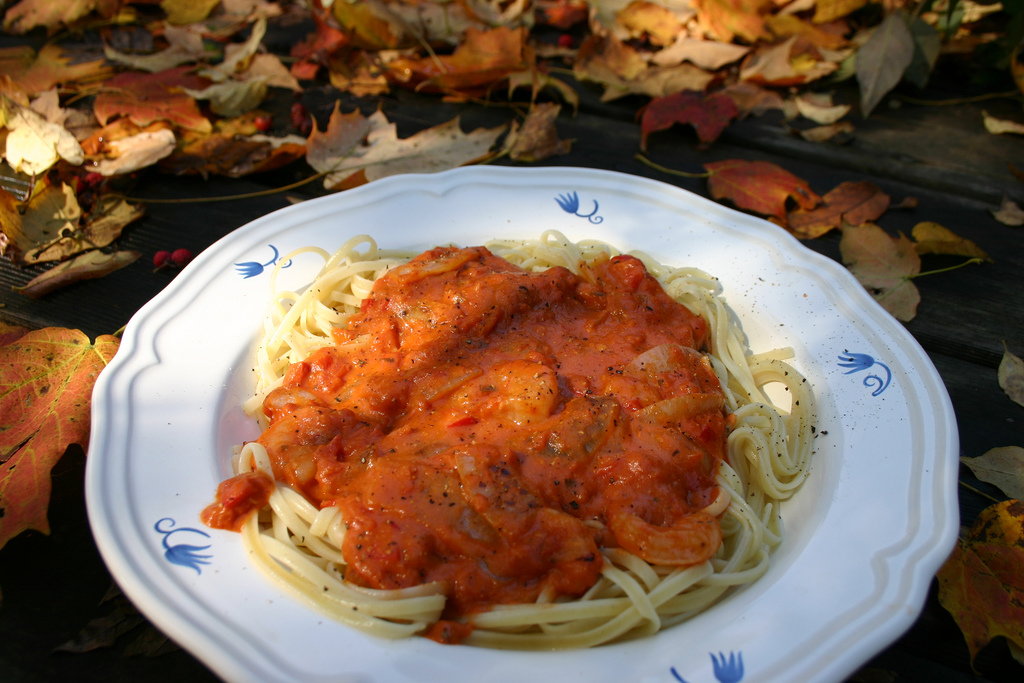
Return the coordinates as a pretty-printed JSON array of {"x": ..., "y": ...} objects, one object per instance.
[
  {"x": 885, "y": 266},
  {"x": 932, "y": 238},
  {"x": 91, "y": 264},
  {"x": 46, "y": 380},
  {"x": 1002, "y": 467},
  {"x": 759, "y": 186},
  {"x": 853, "y": 202},
  {"x": 1011, "y": 376},
  {"x": 1009, "y": 213},
  {"x": 708, "y": 114},
  {"x": 982, "y": 584}
]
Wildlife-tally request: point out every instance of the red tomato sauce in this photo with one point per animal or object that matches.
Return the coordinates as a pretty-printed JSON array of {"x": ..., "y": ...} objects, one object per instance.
[{"x": 493, "y": 429}]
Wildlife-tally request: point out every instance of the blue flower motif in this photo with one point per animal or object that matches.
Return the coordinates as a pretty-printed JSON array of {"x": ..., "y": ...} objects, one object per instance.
[
  {"x": 570, "y": 203},
  {"x": 859, "y": 362},
  {"x": 182, "y": 554},
  {"x": 726, "y": 670},
  {"x": 253, "y": 268}
]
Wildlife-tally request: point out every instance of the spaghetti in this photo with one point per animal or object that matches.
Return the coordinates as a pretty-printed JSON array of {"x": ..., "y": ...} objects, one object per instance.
[{"x": 609, "y": 567}]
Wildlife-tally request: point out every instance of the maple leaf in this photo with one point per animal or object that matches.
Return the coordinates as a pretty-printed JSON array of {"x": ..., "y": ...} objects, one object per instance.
[
  {"x": 885, "y": 266},
  {"x": 708, "y": 114},
  {"x": 91, "y": 264},
  {"x": 537, "y": 138},
  {"x": 855, "y": 202},
  {"x": 28, "y": 14},
  {"x": 759, "y": 186},
  {"x": 146, "y": 98},
  {"x": 45, "y": 392},
  {"x": 383, "y": 154},
  {"x": 932, "y": 238},
  {"x": 1002, "y": 467},
  {"x": 1011, "y": 376},
  {"x": 982, "y": 584}
]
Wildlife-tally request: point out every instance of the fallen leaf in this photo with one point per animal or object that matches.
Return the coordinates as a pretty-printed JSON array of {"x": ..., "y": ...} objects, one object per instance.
[
  {"x": 706, "y": 54},
  {"x": 91, "y": 264},
  {"x": 786, "y": 25},
  {"x": 852, "y": 202},
  {"x": 185, "y": 45},
  {"x": 50, "y": 213},
  {"x": 45, "y": 390},
  {"x": 537, "y": 138},
  {"x": 1009, "y": 213},
  {"x": 708, "y": 114},
  {"x": 932, "y": 238},
  {"x": 52, "y": 66},
  {"x": 727, "y": 19},
  {"x": 882, "y": 60},
  {"x": 367, "y": 25},
  {"x": 562, "y": 14},
  {"x": 147, "y": 98},
  {"x": 34, "y": 144},
  {"x": 538, "y": 82},
  {"x": 982, "y": 584},
  {"x": 759, "y": 186},
  {"x": 232, "y": 98},
  {"x": 136, "y": 152},
  {"x": 181, "y": 12},
  {"x": 826, "y": 11},
  {"x": 751, "y": 98},
  {"x": 234, "y": 153},
  {"x": 1001, "y": 467},
  {"x": 10, "y": 334},
  {"x": 927, "y": 48},
  {"x": 826, "y": 133},
  {"x": 101, "y": 227},
  {"x": 383, "y": 154},
  {"x": 1001, "y": 126},
  {"x": 884, "y": 266},
  {"x": 1011, "y": 376},
  {"x": 651, "y": 21},
  {"x": 791, "y": 62},
  {"x": 28, "y": 14},
  {"x": 819, "y": 108}
]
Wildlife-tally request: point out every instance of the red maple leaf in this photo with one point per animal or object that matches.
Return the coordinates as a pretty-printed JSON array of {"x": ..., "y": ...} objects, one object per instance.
[{"x": 708, "y": 114}]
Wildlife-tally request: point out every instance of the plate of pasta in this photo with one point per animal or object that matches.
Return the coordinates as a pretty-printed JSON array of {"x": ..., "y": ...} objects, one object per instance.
[{"x": 566, "y": 423}]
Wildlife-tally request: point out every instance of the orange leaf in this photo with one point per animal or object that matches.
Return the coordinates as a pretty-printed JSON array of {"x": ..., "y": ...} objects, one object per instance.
[
  {"x": 759, "y": 186},
  {"x": 726, "y": 19},
  {"x": 855, "y": 202},
  {"x": 28, "y": 14},
  {"x": 46, "y": 380},
  {"x": 884, "y": 266},
  {"x": 146, "y": 98},
  {"x": 709, "y": 114},
  {"x": 37, "y": 73},
  {"x": 982, "y": 583}
]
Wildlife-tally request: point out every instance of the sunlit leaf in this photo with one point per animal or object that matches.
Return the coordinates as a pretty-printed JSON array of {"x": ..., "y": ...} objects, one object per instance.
[
  {"x": 932, "y": 238},
  {"x": 651, "y": 21},
  {"x": 727, "y": 19},
  {"x": 137, "y": 152},
  {"x": 146, "y": 98},
  {"x": 998, "y": 126},
  {"x": 46, "y": 380},
  {"x": 706, "y": 54},
  {"x": 34, "y": 144},
  {"x": 181, "y": 12},
  {"x": 1001, "y": 467},
  {"x": 982, "y": 583},
  {"x": 883, "y": 59},
  {"x": 884, "y": 266},
  {"x": 826, "y": 11},
  {"x": 759, "y": 186}
]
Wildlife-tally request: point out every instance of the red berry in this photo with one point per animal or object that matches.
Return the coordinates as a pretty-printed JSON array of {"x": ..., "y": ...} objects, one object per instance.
[
  {"x": 161, "y": 258},
  {"x": 92, "y": 179},
  {"x": 180, "y": 257},
  {"x": 301, "y": 119},
  {"x": 263, "y": 122},
  {"x": 565, "y": 40}
]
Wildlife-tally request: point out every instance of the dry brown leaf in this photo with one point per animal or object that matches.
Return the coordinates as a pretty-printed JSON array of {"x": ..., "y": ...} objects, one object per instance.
[
  {"x": 91, "y": 264},
  {"x": 932, "y": 238},
  {"x": 100, "y": 228},
  {"x": 826, "y": 133},
  {"x": 649, "y": 20},
  {"x": 537, "y": 138},
  {"x": 706, "y": 54},
  {"x": 788, "y": 63},
  {"x": 1011, "y": 376},
  {"x": 181, "y": 12},
  {"x": 51, "y": 213},
  {"x": 852, "y": 202},
  {"x": 885, "y": 266},
  {"x": 1001, "y": 467},
  {"x": 819, "y": 108},
  {"x": 185, "y": 44},
  {"x": 136, "y": 152}
]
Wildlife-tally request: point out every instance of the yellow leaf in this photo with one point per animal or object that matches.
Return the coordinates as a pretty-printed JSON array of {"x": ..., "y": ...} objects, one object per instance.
[
  {"x": 932, "y": 238},
  {"x": 34, "y": 144},
  {"x": 181, "y": 12}
]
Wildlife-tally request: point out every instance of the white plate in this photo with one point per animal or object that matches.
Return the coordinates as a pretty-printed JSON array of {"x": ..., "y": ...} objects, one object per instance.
[{"x": 865, "y": 534}]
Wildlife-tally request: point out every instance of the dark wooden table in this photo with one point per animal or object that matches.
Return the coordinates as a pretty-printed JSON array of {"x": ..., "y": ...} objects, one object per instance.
[{"x": 55, "y": 586}]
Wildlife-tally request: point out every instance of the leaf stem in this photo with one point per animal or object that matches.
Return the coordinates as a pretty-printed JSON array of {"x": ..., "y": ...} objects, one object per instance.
[
  {"x": 658, "y": 167},
  {"x": 946, "y": 270},
  {"x": 980, "y": 493},
  {"x": 226, "y": 198}
]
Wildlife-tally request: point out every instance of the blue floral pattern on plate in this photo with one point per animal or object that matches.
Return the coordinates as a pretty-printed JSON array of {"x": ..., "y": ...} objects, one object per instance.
[
  {"x": 250, "y": 269},
  {"x": 859, "y": 362},
  {"x": 570, "y": 203},
  {"x": 726, "y": 670},
  {"x": 183, "y": 554}
]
